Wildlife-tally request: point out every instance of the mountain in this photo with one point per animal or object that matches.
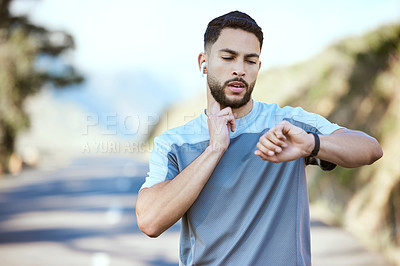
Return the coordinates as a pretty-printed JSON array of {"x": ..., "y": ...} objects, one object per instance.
[{"x": 354, "y": 83}]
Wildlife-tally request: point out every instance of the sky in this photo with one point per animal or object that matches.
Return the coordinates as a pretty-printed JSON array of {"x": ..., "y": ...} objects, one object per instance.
[
  {"x": 132, "y": 52},
  {"x": 165, "y": 37}
]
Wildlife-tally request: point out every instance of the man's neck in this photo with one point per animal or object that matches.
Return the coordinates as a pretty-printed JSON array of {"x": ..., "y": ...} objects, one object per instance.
[
  {"x": 240, "y": 112},
  {"x": 244, "y": 110}
]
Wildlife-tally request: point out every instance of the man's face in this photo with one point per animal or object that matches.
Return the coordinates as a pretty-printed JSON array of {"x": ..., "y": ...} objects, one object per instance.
[{"x": 233, "y": 65}]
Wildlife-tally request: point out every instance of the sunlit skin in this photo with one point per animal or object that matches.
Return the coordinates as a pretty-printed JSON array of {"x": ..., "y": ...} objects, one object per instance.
[{"x": 235, "y": 54}]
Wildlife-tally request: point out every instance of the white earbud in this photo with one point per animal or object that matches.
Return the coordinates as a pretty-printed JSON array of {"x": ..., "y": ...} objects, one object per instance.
[{"x": 203, "y": 65}]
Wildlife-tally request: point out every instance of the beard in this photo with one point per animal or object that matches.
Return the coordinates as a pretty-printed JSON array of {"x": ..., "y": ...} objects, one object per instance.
[{"x": 217, "y": 91}]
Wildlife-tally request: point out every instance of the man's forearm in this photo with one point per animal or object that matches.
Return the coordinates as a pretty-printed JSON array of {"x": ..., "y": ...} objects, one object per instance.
[
  {"x": 349, "y": 148},
  {"x": 161, "y": 206}
]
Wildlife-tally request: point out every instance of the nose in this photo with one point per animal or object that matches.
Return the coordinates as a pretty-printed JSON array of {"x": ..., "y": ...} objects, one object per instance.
[{"x": 239, "y": 70}]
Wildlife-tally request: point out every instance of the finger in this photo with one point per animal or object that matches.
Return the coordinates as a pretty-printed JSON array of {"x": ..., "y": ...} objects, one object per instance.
[
  {"x": 269, "y": 144},
  {"x": 290, "y": 129},
  {"x": 230, "y": 122},
  {"x": 231, "y": 117},
  {"x": 279, "y": 134},
  {"x": 226, "y": 111},
  {"x": 215, "y": 108},
  {"x": 271, "y": 137},
  {"x": 265, "y": 150},
  {"x": 279, "y": 131},
  {"x": 266, "y": 158},
  {"x": 228, "y": 118},
  {"x": 260, "y": 154}
]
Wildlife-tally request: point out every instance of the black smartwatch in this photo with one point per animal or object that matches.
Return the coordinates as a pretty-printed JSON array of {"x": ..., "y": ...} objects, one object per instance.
[{"x": 316, "y": 146}]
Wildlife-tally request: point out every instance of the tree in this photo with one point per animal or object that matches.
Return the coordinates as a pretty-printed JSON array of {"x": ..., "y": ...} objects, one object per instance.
[{"x": 22, "y": 44}]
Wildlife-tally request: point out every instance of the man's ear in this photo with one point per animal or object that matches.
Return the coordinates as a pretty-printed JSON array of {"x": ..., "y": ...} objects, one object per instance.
[{"x": 202, "y": 61}]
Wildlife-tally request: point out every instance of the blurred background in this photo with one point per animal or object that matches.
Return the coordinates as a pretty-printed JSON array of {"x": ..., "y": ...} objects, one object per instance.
[{"x": 85, "y": 86}]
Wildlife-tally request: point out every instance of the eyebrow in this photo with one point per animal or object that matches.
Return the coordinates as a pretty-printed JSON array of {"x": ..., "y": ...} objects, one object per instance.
[{"x": 236, "y": 53}]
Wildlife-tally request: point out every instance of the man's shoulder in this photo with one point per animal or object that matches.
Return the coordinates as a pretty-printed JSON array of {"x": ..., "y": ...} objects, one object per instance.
[
  {"x": 192, "y": 131},
  {"x": 285, "y": 110},
  {"x": 299, "y": 117},
  {"x": 273, "y": 114},
  {"x": 274, "y": 108}
]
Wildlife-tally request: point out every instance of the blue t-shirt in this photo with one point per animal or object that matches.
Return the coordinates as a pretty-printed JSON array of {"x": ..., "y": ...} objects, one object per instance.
[{"x": 250, "y": 212}]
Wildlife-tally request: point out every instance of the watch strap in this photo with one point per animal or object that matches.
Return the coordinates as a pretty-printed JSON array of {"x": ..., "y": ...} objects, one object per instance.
[{"x": 316, "y": 145}]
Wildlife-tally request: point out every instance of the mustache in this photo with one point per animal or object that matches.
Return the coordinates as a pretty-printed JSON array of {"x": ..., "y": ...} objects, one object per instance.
[{"x": 237, "y": 79}]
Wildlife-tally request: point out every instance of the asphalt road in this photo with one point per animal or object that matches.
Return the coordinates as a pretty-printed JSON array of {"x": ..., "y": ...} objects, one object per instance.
[{"x": 83, "y": 215}]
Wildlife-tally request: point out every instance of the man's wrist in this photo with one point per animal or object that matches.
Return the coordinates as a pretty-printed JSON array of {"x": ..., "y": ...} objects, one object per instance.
[
  {"x": 316, "y": 146},
  {"x": 216, "y": 148}
]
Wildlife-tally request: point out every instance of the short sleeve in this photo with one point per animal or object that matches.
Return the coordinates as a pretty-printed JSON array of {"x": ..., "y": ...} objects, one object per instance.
[
  {"x": 311, "y": 122},
  {"x": 162, "y": 163},
  {"x": 315, "y": 123}
]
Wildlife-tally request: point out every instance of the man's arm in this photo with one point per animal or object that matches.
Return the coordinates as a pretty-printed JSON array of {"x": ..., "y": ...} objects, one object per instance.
[
  {"x": 344, "y": 147},
  {"x": 349, "y": 148},
  {"x": 162, "y": 205}
]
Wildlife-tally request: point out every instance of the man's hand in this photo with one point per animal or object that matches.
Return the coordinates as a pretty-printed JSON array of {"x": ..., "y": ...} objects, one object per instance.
[
  {"x": 162, "y": 205},
  {"x": 219, "y": 122},
  {"x": 284, "y": 142}
]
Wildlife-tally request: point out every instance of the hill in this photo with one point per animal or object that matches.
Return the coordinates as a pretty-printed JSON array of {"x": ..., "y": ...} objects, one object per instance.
[{"x": 355, "y": 83}]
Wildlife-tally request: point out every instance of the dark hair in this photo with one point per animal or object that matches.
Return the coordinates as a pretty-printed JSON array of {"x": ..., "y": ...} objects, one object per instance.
[{"x": 235, "y": 20}]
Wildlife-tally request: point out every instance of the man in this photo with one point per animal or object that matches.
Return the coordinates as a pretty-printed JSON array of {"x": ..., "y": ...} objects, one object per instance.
[{"x": 235, "y": 175}]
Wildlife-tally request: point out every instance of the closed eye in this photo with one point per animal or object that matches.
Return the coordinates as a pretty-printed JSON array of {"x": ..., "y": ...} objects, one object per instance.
[
  {"x": 251, "y": 62},
  {"x": 227, "y": 58}
]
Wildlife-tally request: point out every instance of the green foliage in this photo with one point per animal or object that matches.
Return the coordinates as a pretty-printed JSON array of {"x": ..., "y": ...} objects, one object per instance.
[
  {"x": 21, "y": 44},
  {"x": 359, "y": 88},
  {"x": 363, "y": 102}
]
